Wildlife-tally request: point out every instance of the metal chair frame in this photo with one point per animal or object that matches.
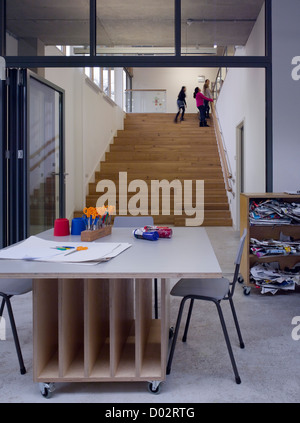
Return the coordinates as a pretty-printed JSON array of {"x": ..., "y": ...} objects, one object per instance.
[{"x": 217, "y": 302}]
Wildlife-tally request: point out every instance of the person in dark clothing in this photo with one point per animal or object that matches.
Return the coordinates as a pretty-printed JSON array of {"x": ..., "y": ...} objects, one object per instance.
[
  {"x": 200, "y": 105},
  {"x": 181, "y": 103}
]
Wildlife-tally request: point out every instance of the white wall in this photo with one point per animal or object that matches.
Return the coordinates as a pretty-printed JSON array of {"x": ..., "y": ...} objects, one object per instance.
[
  {"x": 11, "y": 45},
  {"x": 172, "y": 79},
  {"x": 91, "y": 121},
  {"x": 286, "y": 95},
  {"x": 242, "y": 98}
]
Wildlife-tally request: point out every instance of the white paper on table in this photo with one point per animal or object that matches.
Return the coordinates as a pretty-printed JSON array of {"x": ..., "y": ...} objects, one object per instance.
[{"x": 37, "y": 249}]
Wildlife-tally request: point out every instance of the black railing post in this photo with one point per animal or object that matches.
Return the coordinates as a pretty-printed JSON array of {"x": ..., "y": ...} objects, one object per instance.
[
  {"x": 177, "y": 21},
  {"x": 93, "y": 27},
  {"x": 3, "y": 28},
  {"x": 269, "y": 97}
]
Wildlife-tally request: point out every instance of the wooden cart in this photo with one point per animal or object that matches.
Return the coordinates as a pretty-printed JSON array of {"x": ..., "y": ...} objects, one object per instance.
[
  {"x": 264, "y": 232},
  {"x": 94, "y": 323}
]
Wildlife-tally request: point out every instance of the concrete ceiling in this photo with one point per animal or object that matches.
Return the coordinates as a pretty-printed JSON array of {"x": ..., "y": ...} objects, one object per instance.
[{"x": 133, "y": 22}]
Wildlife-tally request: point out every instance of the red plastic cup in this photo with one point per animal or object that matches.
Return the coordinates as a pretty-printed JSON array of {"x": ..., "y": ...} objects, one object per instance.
[{"x": 61, "y": 227}]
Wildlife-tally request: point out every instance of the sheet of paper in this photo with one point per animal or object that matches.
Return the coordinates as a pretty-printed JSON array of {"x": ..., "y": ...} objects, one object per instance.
[{"x": 34, "y": 248}]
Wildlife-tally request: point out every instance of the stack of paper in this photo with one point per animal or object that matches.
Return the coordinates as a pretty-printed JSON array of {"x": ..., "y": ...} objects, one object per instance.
[
  {"x": 38, "y": 249},
  {"x": 274, "y": 247},
  {"x": 270, "y": 278},
  {"x": 274, "y": 212}
]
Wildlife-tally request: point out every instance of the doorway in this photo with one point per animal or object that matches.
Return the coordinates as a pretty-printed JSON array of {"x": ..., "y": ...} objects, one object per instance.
[
  {"x": 46, "y": 183},
  {"x": 240, "y": 167},
  {"x": 32, "y": 159}
]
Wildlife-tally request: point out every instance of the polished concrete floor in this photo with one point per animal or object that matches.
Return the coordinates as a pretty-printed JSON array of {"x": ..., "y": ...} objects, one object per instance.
[{"x": 269, "y": 366}]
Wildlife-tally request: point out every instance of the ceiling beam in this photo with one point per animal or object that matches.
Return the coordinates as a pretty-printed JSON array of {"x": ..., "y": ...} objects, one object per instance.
[{"x": 138, "y": 61}]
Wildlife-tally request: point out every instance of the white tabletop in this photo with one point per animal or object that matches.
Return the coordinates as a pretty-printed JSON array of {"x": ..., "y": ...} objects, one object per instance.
[{"x": 188, "y": 253}]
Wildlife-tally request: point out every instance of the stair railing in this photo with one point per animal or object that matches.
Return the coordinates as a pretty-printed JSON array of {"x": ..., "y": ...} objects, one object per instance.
[{"x": 222, "y": 153}]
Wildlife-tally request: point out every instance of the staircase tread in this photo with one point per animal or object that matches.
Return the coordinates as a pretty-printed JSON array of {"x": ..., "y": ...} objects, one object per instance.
[{"x": 152, "y": 146}]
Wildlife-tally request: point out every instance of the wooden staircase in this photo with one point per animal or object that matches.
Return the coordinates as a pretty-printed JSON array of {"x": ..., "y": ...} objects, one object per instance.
[
  {"x": 153, "y": 147},
  {"x": 44, "y": 194}
]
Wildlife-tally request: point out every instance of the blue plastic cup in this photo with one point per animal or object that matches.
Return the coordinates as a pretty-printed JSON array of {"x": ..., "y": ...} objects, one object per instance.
[{"x": 77, "y": 226}]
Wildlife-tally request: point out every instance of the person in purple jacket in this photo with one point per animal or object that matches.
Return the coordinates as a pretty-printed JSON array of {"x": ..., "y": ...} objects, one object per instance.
[{"x": 200, "y": 105}]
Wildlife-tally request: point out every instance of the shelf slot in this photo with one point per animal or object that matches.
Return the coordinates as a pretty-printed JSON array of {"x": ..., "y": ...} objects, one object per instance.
[
  {"x": 151, "y": 363},
  {"x": 143, "y": 306},
  {"x": 45, "y": 328},
  {"x": 97, "y": 328},
  {"x": 122, "y": 336},
  {"x": 71, "y": 328}
]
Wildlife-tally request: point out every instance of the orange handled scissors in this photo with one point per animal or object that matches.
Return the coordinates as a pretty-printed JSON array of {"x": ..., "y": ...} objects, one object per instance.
[
  {"x": 80, "y": 248},
  {"x": 88, "y": 211}
]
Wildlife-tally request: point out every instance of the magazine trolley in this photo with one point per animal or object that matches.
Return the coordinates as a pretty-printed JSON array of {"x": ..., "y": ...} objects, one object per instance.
[{"x": 264, "y": 232}]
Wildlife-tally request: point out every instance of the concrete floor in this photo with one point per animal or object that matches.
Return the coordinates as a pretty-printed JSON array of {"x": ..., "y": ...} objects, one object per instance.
[{"x": 269, "y": 365}]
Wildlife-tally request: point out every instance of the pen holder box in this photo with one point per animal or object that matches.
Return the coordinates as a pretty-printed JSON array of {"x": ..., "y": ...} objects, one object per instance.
[{"x": 88, "y": 236}]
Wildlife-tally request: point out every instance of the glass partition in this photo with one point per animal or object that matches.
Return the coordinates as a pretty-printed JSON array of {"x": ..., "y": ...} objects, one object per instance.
[
  {"x": 145, "y": 101},
  {"x": 34, "y": 24},
  {"x": 134, "y": 27},
  {"x": 45, "y": 152},
  {"x": 212, "y": 27}
]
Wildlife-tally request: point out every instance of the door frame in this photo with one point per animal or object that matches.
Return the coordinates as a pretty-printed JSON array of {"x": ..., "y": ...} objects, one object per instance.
[
  {"x": 3, "y": 185},
  {"x": 62, "y": 173},
  {"x": 239, "y": 171}
]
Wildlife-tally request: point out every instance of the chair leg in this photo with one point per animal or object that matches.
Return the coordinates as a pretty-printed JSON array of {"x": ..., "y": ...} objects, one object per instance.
[
  {"x": 242, "y": 345},
  {"x": 15, "y": 335},
  {"x": 188, "y": 320},
  {"x": 175, "y": 335},
  {"x": 2, "y": 307},
  {"x": 155, "y": 299},
  {"x": 237, "y": 377}
]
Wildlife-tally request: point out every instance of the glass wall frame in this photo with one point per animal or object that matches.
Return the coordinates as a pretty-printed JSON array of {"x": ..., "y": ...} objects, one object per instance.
[{"x": 94, "y": 60}]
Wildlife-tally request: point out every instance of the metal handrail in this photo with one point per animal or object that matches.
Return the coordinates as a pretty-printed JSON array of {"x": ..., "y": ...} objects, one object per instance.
[
  {"x": 219, "y": 80},
  {"x": 222, "y": 152},
  {"x": 144, "y": 89}
]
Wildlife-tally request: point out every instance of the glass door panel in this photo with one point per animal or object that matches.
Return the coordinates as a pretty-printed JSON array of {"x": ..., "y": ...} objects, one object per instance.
[{"x": 45, "y": 156}]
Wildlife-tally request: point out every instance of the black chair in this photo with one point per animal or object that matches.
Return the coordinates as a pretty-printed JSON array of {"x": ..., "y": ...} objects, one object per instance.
[
  {"x": 9, "y": 288},
  {"x": 214, "y": 290},
  {"x": 135, "y": 222}
]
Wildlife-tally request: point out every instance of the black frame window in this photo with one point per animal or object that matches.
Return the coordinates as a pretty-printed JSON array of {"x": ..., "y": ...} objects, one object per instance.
[{"x": 92, "y": 60}]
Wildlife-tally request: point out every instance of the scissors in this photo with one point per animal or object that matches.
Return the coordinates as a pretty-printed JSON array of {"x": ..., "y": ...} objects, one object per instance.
[
  {"x": 91, "y": 214},
  {"x": 80, "y": 248}
]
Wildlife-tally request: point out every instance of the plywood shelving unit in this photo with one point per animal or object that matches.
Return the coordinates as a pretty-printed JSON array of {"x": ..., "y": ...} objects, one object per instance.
[
  {"x": 264, "y": 232},
  {"x": 98, "y": 330}
]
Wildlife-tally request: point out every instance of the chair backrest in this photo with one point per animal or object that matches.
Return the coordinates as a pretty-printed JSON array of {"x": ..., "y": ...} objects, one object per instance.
[
  {"x": 238, "y": 261},
  {"x": 132, "y": 221},
  {"x": 241, "y": 247}
]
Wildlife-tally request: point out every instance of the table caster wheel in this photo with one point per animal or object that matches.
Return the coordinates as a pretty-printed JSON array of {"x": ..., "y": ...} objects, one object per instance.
[
  {"x": 240, "y": 279},
  {"x": 154, "y": 387},
  {"x": 247, "y": 290},
  {"x": 47, "y": 389}
]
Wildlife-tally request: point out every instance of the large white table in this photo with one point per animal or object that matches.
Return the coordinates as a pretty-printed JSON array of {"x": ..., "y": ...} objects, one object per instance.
[{"x": 95, "y": 323}]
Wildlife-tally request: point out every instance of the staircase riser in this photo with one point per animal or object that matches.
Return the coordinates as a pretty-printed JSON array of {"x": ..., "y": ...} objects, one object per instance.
[{"x": 152, "y": 147}]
